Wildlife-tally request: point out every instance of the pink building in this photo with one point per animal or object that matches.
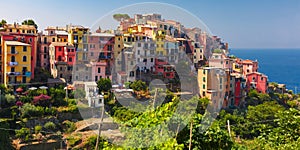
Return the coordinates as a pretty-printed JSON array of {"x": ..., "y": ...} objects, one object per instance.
[
  {"x": 220, "y": 60},
  {"x": 249, "y": 66},
  {"x": 257, "y": 81},
  {"x": 100, "y": 69}
]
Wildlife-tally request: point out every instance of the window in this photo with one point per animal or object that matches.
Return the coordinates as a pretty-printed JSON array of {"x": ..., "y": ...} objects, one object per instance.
[
  {"x": 203, "y": 71},
  {"x": 203, "y": 86},
  {"x": 203, "y": 79},
  {"x": 86, "y": 77},
  {"x": 12, "y": 69},
  {"x": 61, "y": 75},
  {"x": 138, "y": 52},
  {"x": 13, "y": 49},
  {"x": 24, "y": 48},
  {"x": 226, "y": 62},
  {"x": 70, "y": 59},
  {"x": 45, "y": 56},
  {"x": 60, "y": 68},
  {"x": 59, "y": 48},
  {"x": 151, "y": 59},
  {"x": 24, "y": 58},
  {"x": 13, "y": 59},
  {"x": 92, "y": 54},
  {"x": 96, "y": 78},
  {"x": 45, "y": 49},
  {"x": 99, "y": 70},
  {"x": 53, "y": 39},
  {"x": 24, "y": 79},
  {"x": 261, "y": 78},
  {"x": 119, "y": 46}
]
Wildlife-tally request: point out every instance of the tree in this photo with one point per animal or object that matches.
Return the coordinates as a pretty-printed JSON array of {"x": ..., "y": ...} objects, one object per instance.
[
  {"x": 138, "y": 85},
  {"x": 104, "y": 85},
  {"x": 120, "y": 17},
  {"x": 30, "y": 22},
  {"x": 2, "y": 23}
]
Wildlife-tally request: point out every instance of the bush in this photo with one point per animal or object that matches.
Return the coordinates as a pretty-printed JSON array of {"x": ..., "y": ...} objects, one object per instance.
[
  {"x": 50, "y": 111},
  {"x": 24, "y": 134},
  {"x": 10, "y": 99},
  {"x": 74, "y": 140},
  {"x": 37, "y": 129},
  {"x": 69, "y": 126},
  {"x": 29, "y": 110},
  {"x": 50, "y": 126}
]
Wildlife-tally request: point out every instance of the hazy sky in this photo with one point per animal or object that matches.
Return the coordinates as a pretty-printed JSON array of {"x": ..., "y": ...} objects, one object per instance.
[{"x": 244, "y": 24}]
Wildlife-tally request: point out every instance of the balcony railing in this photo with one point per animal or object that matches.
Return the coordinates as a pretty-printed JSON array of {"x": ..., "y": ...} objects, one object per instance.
[
  {"x": 12, "y": 52},
  {"x": 13, "y": 73},
  {"x": 12, "y": 63}
]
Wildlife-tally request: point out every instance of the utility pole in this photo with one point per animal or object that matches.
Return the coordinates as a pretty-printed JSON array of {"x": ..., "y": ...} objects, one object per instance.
[
  {"x": 228, "y": 127},
  {"x": 191, "y": 135},
  {"x": 99, "y": 132},
  {"x": 155, "y": 96}
]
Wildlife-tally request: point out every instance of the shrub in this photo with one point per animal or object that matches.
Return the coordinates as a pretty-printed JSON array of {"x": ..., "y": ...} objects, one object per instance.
[
  {"x": 37, "y": 129},
  {"x": 29, "y": 110},
  {"x": 24, "y": 134},
  {"x": 50, "y": 111},
  {"x": 69, "y": 126},
  {"x": 50, "y": 126}
]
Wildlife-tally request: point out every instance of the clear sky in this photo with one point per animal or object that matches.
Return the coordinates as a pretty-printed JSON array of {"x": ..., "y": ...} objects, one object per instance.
[{"x": 244, "y": 24}]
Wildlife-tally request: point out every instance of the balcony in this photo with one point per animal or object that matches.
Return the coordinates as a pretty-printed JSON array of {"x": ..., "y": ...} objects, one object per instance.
[
  {"x": 13, "y": 73},
  {"x": 12, "y": 64}
]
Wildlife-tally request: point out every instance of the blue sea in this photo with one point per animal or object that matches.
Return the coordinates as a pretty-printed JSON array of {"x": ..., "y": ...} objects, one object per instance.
[{"x": 280, "y": 65}]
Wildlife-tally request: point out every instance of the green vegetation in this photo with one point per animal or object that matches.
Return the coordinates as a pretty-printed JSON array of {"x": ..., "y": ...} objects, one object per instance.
[
  {"x": 30, "y": 22},
  {"x": 50, "y": 126},
  {"x": 2, "y": 22},
  {"x": 24, "y": 134},
  {"x": 120, "y": 17},
  {"x": 104, "y": 85}
]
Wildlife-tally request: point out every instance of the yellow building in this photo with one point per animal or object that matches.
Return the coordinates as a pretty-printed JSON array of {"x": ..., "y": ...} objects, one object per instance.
[
  {"x": 212, "y": 84},
  {"x": 77, "y": 35},
  {"x": 17, "y": 62},
  {"x": 160, "y": 42}
]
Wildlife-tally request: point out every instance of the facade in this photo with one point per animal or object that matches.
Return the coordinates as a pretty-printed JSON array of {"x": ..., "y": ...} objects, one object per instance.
[
  {"x": 51, "y": 34},
  {"x": 249, "y": 66},
  {"x": 77, "y": 35},
  {"x": 62, "y": 58},
  {"x": 25, "y": 34},
  {"x": 257, "y": 81},
  {"x": 212, "y": 84},
  {"x": 163, "y": 68},
  {"x": 17, "y": 63},
  {"x": 239, "y": 88},
  {"x": 144, "y": 54},
  {"x": 220, "y": 60}
]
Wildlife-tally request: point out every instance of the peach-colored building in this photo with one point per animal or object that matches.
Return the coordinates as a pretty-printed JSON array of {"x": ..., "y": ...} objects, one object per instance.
[{"x": 249, "y": 66}]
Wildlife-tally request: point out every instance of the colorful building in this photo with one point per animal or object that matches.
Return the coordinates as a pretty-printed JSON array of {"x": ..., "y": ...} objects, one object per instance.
[
  {"x": 25, "y": 34},
  {"x": 16, "y": 63},
  {"x": 249, "y": 66},
  {"x": 212, "y": 82},
  {"x": 51, "y": 34},
  {"x": 62, "y": 58},
  {"x": 258, "y": 81},
  {"x": 77, "y": 35}
]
